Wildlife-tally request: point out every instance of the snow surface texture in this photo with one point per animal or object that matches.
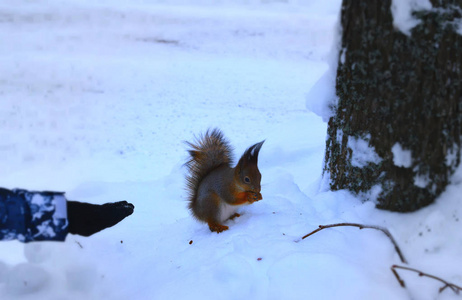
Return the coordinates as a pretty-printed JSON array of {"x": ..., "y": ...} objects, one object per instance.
[
  {"x": 96, "y": 101},
  {"x": 362, "y": 153},
  {"x": 401, "y": 156},
  {"x": 402, "y": 10}
]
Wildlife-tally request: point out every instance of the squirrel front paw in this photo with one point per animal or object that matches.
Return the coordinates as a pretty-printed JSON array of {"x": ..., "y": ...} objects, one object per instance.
[
  {"x": 253, "y": 197},
  {"x": 259, "y": 196}
]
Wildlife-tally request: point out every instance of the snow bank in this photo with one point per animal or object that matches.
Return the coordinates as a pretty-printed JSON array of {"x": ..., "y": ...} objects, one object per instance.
[{"x": 321, "y": 98}]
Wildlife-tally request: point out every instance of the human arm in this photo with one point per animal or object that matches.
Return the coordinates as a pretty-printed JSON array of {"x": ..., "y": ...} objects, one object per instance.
[{"x": 37, "y": 216}]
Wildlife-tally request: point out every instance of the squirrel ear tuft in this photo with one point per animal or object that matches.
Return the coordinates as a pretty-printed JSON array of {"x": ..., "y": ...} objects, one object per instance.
[
  {"x": 250, "y": 155},
  {"x": 193, "y": 154}
]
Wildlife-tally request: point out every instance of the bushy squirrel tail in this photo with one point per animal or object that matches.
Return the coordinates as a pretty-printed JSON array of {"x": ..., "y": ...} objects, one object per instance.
[{"x": 208, "y": 152}]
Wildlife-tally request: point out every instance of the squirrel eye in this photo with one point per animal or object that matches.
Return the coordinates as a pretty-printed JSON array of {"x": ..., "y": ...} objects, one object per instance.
[{"x": 247, "y": 179}]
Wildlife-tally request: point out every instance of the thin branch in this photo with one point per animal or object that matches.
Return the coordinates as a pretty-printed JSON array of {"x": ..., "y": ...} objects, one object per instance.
[
  {"x": 401, "y": 282},
  {"x": 361, "y": 226},
  {"x": 456, "y": 289}
]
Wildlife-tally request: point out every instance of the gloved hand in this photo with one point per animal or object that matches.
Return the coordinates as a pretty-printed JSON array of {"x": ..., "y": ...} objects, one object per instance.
[{"x": 86, "y": 219}]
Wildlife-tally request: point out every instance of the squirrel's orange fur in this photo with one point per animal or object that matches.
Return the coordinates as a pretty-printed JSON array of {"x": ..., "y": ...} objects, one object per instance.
[{"x": 216, "y": 189}]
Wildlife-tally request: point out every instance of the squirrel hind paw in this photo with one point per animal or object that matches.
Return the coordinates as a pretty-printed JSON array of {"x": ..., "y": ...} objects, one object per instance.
[{"x": 215, "y": 227}]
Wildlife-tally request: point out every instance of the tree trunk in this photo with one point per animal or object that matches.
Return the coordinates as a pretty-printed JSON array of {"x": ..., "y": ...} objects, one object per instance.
[{"x": 397, "y": 128}]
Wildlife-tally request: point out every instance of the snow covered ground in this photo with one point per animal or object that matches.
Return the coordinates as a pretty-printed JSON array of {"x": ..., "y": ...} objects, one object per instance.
[{"x": 97, "y": 99}]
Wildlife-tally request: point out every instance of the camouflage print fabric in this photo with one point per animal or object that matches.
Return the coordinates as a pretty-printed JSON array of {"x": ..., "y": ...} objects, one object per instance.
[{"x": 32, "y": 216}]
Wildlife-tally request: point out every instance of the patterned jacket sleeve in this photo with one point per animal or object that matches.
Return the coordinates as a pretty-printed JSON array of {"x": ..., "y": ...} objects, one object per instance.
[{"x": 32, "y": 216}]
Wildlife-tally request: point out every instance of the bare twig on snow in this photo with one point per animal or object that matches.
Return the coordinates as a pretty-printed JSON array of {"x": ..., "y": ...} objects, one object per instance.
[
  {"x": 361, "y": 226},
  {"x": 456, "y": 289}
]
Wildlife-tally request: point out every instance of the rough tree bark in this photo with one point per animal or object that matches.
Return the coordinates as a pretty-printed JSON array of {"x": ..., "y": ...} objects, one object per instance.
[{"x": 397, "y": 90}]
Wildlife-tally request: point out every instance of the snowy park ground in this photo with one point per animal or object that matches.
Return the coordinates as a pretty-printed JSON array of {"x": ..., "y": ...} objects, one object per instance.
[{"x": 97, "y": 99}]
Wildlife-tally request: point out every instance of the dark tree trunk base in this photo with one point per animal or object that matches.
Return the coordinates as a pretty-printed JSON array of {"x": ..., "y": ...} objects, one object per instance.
[{"x": 395, "y": 89}]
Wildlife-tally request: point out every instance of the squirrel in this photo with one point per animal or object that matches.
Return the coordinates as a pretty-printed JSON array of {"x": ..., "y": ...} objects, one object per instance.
[{"x": 216, "y": 189}]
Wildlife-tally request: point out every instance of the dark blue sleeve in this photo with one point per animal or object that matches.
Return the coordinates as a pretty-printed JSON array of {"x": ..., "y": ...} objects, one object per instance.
[{"x": 32, "y": 216}]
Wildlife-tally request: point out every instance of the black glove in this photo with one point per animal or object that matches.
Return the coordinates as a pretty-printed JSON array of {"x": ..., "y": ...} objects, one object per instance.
[{"x": 86, "y": 219}]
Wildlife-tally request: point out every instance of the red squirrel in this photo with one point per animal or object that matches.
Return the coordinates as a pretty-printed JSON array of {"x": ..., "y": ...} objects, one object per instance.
[{"x": 216, "y": 189}]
